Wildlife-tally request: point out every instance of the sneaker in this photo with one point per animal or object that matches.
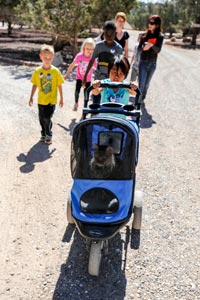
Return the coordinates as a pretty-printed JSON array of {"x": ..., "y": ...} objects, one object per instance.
[
  {"x": 75, "y": 108},
  {"x": 48, "y": 140},
  {"x": 42, "y": 139}
]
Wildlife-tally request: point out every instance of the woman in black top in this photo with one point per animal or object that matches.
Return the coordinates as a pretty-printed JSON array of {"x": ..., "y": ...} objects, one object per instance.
[
  {"x": 122, "y": 36},
  {"x": 150, "y": 45}
]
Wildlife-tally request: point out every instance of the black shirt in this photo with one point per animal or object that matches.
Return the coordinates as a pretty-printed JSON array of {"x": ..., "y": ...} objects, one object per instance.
[
  {"x": 152, "y": 53},
  {"x": 122, "y": 41}
]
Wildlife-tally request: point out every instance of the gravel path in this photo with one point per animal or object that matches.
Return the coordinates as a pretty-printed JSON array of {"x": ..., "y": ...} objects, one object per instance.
[{"x": 44, "y": 258}]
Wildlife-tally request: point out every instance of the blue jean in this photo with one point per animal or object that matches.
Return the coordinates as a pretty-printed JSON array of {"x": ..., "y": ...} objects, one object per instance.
[{"x": 146, "y": 71}]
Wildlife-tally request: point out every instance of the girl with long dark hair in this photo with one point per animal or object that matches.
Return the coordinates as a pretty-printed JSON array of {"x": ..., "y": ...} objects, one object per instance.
[{"x": 150, "y": 45}]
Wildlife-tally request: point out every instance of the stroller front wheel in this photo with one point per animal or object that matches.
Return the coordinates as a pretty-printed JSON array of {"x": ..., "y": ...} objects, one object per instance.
[{"x": 95, "y": 257}]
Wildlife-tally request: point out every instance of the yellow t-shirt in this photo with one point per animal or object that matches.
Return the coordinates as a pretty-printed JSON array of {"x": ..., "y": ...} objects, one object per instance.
[{"x": 47, "y": 82}]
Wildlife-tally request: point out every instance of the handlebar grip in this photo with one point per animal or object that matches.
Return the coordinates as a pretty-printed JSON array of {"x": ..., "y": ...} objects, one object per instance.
[
  {"x": 109, "y": 85},
  {"x": 115, "y": 85},
  {"x": 119, "y": 85}
]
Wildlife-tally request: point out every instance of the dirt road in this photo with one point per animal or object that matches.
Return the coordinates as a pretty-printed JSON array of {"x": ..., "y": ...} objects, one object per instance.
[{"x": 44, "y": 258}]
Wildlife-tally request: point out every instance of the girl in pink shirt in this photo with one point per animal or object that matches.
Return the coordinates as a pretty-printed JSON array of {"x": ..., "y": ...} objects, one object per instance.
[{"x": 81, "y": 61}]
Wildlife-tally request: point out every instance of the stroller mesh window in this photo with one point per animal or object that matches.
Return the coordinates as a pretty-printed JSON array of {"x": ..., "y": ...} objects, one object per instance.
[
  {"x": 99, "y": 201},
  {"x": 113, "y": 139},
  {"x": 102, "y": 151}
]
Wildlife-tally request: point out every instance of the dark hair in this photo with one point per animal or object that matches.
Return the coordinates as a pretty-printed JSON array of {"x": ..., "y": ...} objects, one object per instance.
[
  {"x": 157, "y": 20},
  {"x": 121, "y": 62},
  {"x": 109, "y": 25}
]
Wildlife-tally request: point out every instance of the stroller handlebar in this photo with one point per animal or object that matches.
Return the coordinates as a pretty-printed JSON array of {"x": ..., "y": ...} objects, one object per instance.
[
  {"x": 119, "y": 85},
  {"x": 111, "y": 85},
  {"x": 127, "y": 110},
  {"x": 115, "y": 84}
]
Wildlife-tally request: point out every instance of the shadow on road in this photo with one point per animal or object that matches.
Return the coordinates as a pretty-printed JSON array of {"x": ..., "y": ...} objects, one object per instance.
[
  {"x": 20, "y": 71},
  {"x": 38, "y": 153},
  {"x": 74, "y": 281},
  {"x": 71, "y": 126},
  {"x": 146, "y": 120}
]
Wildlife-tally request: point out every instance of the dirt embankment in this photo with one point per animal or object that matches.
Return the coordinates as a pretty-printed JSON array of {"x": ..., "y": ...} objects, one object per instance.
[{"x": 22, "y": 46}]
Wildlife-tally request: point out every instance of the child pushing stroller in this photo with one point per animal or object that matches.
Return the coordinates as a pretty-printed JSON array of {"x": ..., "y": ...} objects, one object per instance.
[{"x": 118, "y": 70}]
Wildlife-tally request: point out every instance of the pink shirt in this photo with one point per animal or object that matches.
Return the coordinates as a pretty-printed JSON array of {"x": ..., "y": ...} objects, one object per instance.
[{"x": 82, "y": 62}]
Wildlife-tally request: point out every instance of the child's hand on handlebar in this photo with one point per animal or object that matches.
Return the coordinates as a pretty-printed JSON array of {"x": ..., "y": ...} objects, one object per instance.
[
  {"x": 96, "y": 84},
  {"x": 96, "y": 87},
  {"x": 133, "y": 88}
]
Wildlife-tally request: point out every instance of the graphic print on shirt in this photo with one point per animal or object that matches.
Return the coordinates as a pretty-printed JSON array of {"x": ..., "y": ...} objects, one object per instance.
[
  {"x": 117, "y": 98},
  {"x": 152, "y": 41},
  {"x": 103, "y": 61},
  {"x": 46, "y": 83},
  {"x": 83, "y": 67}
]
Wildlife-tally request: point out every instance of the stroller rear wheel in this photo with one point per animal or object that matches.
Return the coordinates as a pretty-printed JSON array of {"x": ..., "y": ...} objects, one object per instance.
[
  {"x": 69, "y": 213},
  {"x": 137, "y": 220},
  {"x": 137, "y": 210}
]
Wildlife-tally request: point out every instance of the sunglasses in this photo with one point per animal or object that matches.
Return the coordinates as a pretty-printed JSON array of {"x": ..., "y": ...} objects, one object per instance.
[{"x": 152, "y": 23}]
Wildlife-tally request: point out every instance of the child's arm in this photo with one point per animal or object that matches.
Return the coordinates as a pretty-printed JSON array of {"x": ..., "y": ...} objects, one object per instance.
[
  {"x": 132, "y": 59},
  {"x": 61, "y": 96},
  {"x": 134, "y": 53},
  {"x": 34, "y": 87},
  {"x": 94, "y": 66},
  {"x": 91, "y": 62},
  {"x": 126, "y": 49},
  {"x": 71, "y": 67}
]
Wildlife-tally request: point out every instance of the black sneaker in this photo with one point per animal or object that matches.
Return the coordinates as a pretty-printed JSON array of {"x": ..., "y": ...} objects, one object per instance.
[{"x": 48, "y": 140}]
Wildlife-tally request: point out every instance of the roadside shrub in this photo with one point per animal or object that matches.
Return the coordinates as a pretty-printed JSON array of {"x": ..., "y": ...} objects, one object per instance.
[{"x": 173, "y": 39}]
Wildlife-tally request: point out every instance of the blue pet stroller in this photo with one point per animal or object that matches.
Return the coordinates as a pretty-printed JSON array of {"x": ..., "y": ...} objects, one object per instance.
[{"x": 102, "y": 196}]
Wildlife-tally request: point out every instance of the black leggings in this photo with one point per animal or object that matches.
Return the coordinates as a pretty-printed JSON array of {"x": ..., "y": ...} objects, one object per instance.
[{"x": 78, "y": 88}]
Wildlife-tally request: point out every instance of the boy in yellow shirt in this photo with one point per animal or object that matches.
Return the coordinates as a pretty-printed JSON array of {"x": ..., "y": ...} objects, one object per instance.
[{"x": 48, "y": 80}]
